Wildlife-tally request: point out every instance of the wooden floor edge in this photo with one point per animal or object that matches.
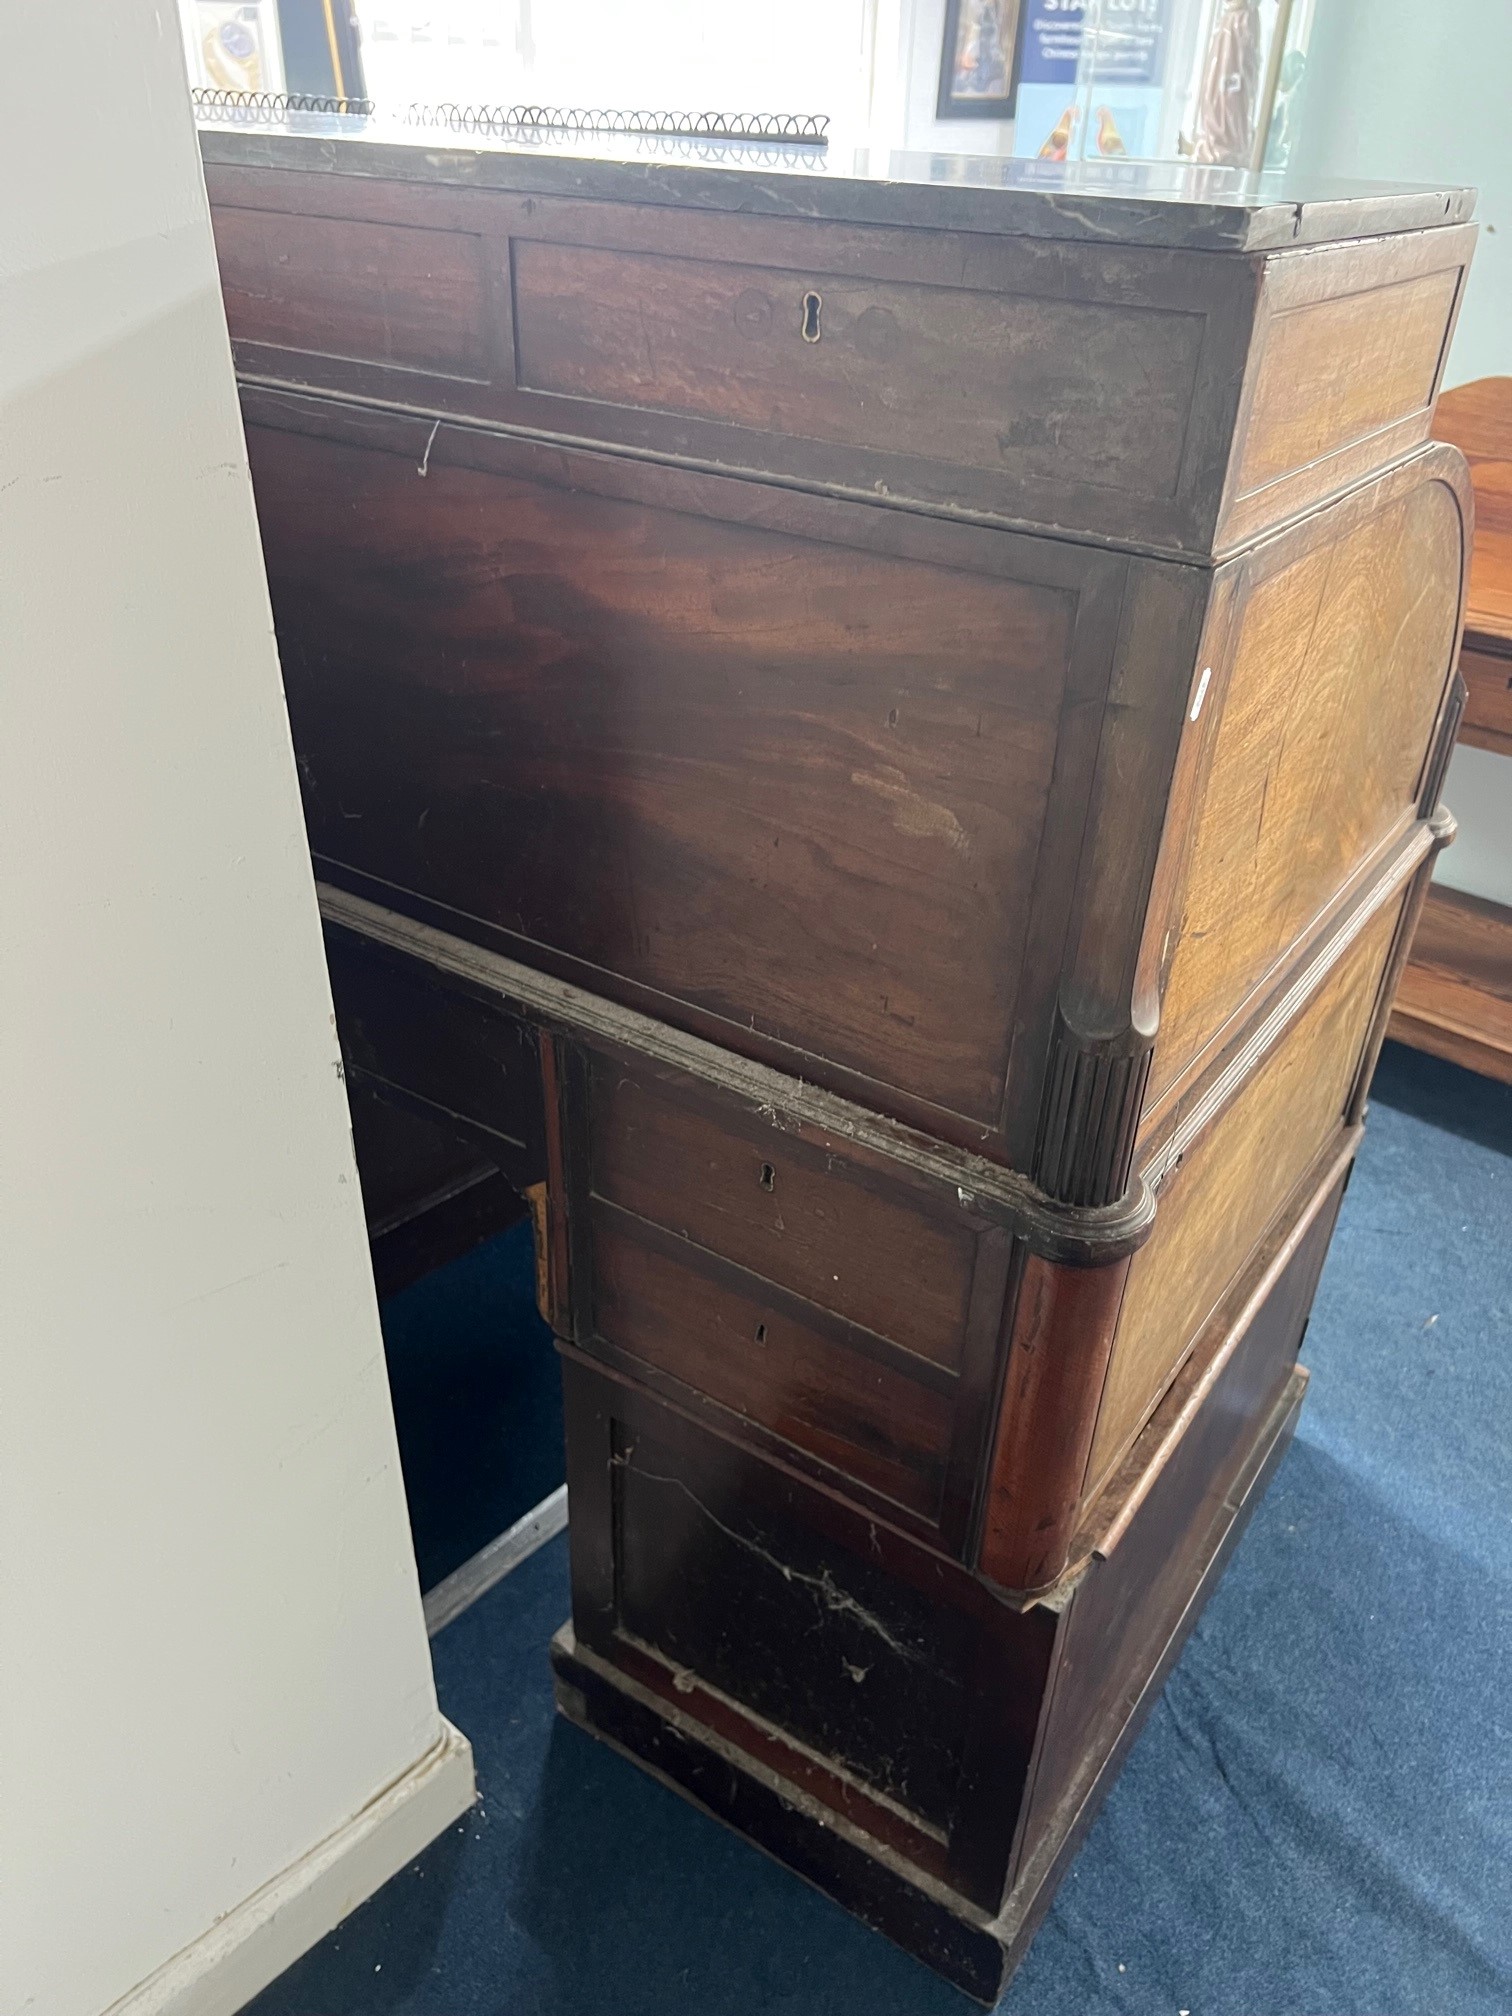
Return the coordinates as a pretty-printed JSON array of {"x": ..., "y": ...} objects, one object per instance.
[
  {"x": 1454, "y": 1042},
  {"x": 1455, "y": 998}
]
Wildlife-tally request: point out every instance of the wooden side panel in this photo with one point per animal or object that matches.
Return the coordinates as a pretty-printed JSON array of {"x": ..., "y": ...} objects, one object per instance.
[
  {"x": 1215, "y": 1207},
  {"x": 1342, "y": 643},
  {"x": 1334, "y": 371},
  {"x": 779, "y": 775},
  {"x": 883, "y": 1680},
  {"x": 1026, "y": 384},
  {"x": 1123, "y": 1611},
  {"x": 1349, "y": 348}
]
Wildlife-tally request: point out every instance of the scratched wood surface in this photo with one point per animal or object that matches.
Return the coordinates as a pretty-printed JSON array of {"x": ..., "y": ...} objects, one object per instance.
[{"x": 1042, "y": 387}]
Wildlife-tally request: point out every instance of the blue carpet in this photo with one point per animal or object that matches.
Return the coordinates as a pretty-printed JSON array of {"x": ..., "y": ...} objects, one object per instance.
[
  {"x": 1317, "y": 1820},
  {"x": 477, "y": 1400}
]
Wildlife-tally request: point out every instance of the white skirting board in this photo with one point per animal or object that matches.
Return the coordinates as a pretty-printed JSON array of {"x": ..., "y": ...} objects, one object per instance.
[
  {"x": 253, "y": 1944},
  {"x": 499, "y": 1558}
]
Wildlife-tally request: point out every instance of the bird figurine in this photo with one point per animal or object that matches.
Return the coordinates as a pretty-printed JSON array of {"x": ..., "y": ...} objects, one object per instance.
[
  {"x": 1055, "y": 148},
  {"x": 1109, "y": 139}
]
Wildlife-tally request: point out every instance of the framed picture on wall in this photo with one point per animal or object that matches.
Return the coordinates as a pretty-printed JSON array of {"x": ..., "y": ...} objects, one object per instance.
[{"x": 979, "y": 64}]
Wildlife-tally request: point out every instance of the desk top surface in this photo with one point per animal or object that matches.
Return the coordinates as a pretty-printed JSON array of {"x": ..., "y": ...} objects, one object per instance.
[{"x": 1114, "y": 203}]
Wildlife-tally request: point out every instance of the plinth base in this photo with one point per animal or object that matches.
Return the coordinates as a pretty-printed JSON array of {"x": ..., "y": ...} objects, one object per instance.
[{"x": 975, "y": 1950}]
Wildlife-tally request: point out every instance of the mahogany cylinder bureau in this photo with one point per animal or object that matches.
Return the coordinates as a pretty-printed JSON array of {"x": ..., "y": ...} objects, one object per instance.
[{"x": 877, "y": 741}]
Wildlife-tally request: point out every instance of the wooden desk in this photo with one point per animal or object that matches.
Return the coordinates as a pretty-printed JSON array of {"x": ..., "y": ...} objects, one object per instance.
[
  {"x": 877, "y": 739},
  {"x": 1455, "y": 998}
]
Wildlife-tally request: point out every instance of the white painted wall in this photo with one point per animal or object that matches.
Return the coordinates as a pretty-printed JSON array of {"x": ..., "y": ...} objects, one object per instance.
[
  {"x": 211, "y": 1647},
  {"x": 1478, "y": 790},
  {"x": 1413, "y": 94}
]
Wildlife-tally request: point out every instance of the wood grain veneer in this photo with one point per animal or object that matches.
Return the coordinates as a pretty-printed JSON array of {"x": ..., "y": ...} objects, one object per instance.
[
  {"x": 1304, "y": 782},
  {"x": 1216, "y": 1206}
]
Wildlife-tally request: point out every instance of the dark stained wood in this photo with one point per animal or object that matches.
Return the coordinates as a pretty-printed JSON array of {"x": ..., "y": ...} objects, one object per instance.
[
  {"x": 758, "y": 1652},
  {"x": 429, "y": 1194},
  {"x": 1090, "y": 388},
  {"x": 1040, "y": 387},
  {"x": 404, "y": 300},
  {"x": 1455, "y": 998},
  {"x": 1064, "y": 1324},
  {"x": 1106, "y": 1011},
  {"x": 462, "y": 976},
  {"x": 772, "y": 1360},
  {"x": 795, "y": 784},
  {"x": 742, "y": 1264},
  {"x": 407, "y": 1162},
  {"x": 1036, "y": 382},
  {"x": 476, "y": 1074},
  {"x": 1110, "y": 202},
  {"x": 709, "y": 1171}
]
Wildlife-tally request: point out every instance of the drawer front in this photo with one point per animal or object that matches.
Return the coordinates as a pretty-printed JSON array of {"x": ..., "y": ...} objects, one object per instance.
[
  {"x": 771, "y": 1361},
  {"x": 733, "y": 1574},
  {"x": 784, "y": 1208},
  {"x": 1341, "y": 647},
  {"x": 801, "y": 777},
  {"x": 832, "y": 1305},
  {"x": 1028, "y": 387}
]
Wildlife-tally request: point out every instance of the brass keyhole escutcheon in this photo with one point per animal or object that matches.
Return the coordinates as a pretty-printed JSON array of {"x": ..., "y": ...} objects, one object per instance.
[{"x": 811, "y": 306}]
